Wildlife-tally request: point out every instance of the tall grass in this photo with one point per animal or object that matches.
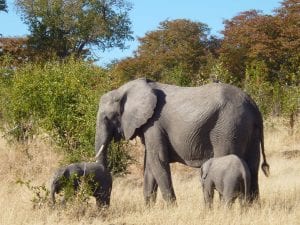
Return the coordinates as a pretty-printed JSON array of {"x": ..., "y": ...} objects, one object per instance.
[{"x": 280, "y": 193}]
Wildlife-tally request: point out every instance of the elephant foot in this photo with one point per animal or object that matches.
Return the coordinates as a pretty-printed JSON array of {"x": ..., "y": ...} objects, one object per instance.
[
  {"x": 170, "y": 200},
  {"x": 171, "y": 203},
  {"x": 253, "y": 198},
  {"x": 101, "y": 205},
  {"x": 150, "y": 200}
]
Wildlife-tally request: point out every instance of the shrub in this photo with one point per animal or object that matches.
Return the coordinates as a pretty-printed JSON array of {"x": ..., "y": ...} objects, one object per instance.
[
  {"x": 274, "y": 97},
  {"x": 177, "y": 76},
  {"x": 57, "y": 97},
  {"x": 6, "y": 74},
  {"x": 40, "y": 194},
  {"x": 258, "y": 87},
  {"x": 220, "y": 73},
  {"x": 60, "y": 99},
  {"x": 118, "y": 158},
  {"x": 290, "y": 103}
]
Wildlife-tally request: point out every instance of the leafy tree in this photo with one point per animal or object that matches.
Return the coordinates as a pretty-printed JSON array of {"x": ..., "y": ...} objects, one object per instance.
[
  {"x": 61, "y": 28},
  {"x": 176, "y": 45},
  {"x": 213, "y": 45},
  {"x": 3, "y": 6},
  {"x": 16, "y": 49},
  {"x": 287, "y": 18},
  {"x": 247, "y": 37},
  {"x": 273, "y": 39}
]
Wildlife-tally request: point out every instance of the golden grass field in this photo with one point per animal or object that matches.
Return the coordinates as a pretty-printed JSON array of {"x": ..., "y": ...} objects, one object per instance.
[{"x": 280, "y": 193}]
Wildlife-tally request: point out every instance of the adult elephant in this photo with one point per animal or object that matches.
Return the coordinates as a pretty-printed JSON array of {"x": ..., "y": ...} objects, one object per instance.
[{"x": 181, "y": 124}]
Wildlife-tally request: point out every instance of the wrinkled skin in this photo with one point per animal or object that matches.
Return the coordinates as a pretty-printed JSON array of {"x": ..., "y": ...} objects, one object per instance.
[
  {"x": 229, "y": 175},
  {"x": 100, "y": 180},
  {"x": 188, "y": 125}
]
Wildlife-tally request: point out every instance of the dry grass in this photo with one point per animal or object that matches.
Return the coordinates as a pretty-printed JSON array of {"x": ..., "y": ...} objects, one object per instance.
[{"x": 280, "y": 193}]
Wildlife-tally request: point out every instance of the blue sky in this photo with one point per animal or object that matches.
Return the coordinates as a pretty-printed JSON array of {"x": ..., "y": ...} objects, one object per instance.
[{"x": 147, "y": 14}]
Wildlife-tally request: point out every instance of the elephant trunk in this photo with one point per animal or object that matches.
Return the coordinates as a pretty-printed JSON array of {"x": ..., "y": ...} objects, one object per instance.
[
  {"x": 52, "y": 192},
  {"x": 101, "y": 153},
  {"x": 102, "y": 140}
]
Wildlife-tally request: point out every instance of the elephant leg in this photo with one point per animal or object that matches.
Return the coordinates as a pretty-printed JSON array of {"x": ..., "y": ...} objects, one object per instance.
[
  {"x": 220, "y": 197},
  {"x": 254, "y": 189},
  {"x": 229, "y": 197},
  {"x": 102, "y": 202},
  {"x": 162, "y": 175},
  {"x": 208, "y": 193},
  {"x": 253, "y": 164},
  {"x": 150, "y": 187},
  {"x": 228, "y": 202},
  {"x": 158, "y": 163},
  {"x": 242, "y": 200},
  {"x": 102, "y": 197}
]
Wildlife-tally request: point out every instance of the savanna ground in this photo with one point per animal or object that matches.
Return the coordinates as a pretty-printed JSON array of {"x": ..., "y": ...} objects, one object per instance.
[{"x": 35, "y": 162}]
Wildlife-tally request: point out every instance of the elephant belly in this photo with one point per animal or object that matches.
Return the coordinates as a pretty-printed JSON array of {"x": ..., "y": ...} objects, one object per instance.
[
  {"x": 191, "y": 151},
  {"x": 194, "y": 143}
]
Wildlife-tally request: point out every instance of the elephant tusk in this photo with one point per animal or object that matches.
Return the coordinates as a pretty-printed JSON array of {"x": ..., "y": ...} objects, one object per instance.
[{"x": 99, "y": 152}]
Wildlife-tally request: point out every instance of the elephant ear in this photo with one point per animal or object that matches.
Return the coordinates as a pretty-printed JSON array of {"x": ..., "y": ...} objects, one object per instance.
[{"x": 138, "y": 105}]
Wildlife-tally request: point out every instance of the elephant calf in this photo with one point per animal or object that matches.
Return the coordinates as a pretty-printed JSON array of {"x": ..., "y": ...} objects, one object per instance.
[
  {"x": 229, "y": 175},
  {"x": 98, "y": 177}
]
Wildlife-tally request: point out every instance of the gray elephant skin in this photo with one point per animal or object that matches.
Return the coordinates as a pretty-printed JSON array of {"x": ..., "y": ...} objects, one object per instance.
[
  {"x": 99, "y": 180},
  {"x": 188, "y": 125},
  {"x": 229, "y": 175}
]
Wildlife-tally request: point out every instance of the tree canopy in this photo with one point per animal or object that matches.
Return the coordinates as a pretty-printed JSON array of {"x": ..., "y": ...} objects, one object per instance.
[
  {"x": 175, "y": 45},
  {"x": 62, "y": 28},
  {"x": 3, "y": 5},
  {"x": 16, "y": 48},
  {"x": 273, "y": 39}
]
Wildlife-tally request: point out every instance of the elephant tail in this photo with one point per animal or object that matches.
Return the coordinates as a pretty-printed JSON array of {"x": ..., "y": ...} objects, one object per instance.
[{"x": 264, "y": 166}]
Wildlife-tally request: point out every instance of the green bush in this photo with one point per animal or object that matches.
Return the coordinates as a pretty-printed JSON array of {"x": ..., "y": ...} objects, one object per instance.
[
  {"x": 59, "y": 98},
  {"x": 290, "y": 100},
  {"x": 258, "y": 87},
  {"x": 119, "y": 158},
  {"x": 272, "y": 96},
  {"x": 177, "y": 76},
  {"x": 220, "y": 73},
  {"x": 6, "y": 74}
]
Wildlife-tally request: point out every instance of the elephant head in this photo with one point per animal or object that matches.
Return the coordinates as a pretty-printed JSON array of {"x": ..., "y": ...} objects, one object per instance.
[
  {"x": 57, "y": 181},
  {"x": 121, "y": 112}
]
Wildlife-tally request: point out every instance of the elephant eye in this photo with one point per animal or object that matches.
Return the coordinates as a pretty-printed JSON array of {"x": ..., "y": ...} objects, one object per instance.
[
  {"x": 105, "y": 119},
  {"x": 115, "y": 117}
]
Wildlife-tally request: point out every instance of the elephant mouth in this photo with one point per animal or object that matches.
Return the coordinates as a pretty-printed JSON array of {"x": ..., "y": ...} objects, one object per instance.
[{"x": 118, "y": 135}]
